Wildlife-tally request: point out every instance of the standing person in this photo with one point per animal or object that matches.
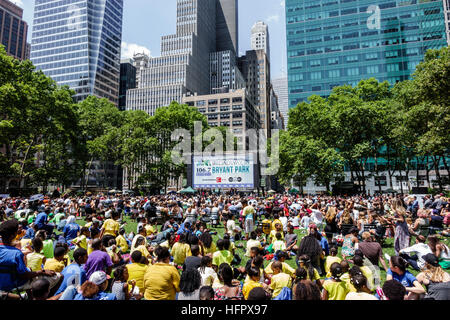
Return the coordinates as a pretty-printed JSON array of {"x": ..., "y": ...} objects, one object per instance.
[
  {"x": 98, "y": 260},
  {"x": 331, "y": 224},
  {"x": 335, "y": 289},
  {"x": 162, "y": 280},
  {"x": 401, "y": 236},
  {"x": 249, "y": 214},
  {"x": 350, "y": 243},
  {"x": 397, "y": 271}
]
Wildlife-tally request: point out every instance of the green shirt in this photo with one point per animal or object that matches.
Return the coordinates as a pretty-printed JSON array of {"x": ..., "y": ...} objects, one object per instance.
[{"x": 223, "y": 256}]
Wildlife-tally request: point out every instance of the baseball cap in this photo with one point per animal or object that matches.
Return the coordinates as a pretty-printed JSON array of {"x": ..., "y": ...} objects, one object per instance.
[
  {"x": 431, "y": 259},
  {"x": 99, "y": 277}
]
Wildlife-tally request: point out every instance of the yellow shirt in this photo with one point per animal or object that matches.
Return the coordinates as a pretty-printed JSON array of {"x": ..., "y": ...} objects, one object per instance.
[
  {"x": 336, "y": 290},
  {"x": 249, "y": 286},
  {"x": 55, "y": 265},
  {"x": 161, "y": 282},
  {"x": 369, "y": 275},
  {"x": 328, "y": 262},
  {"x": 143, "y": 249},
  {"x": 223, "y": 256},
  {"x": 211, "y": 249},
  {"x": 278, "y": 282},
  {"x": 88, "y": 225},
  {"x": 136, "y": 271},
  {"x": 89, "y": 249},
  {"x": 180, "y": 251},
  {"x": 151, "y": 230},
  {"x": 34, "y": 261},
  {"x": 111, "y": 227},
  {"x": 272, "y": 236},
  {"x": 286, "y": 269},
  {"x": 82, "y": 242},
  {"x": 250, "y": 244},
  {"x": 122, "y": 243},
  {"x": 346, "y": 278}
]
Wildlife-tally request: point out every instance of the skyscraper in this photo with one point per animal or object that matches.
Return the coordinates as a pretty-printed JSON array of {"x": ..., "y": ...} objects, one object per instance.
[
  {"x": 227, "y": 27},
  {"x": 127, "y": 81},
  {"x": 183, "y": 67},
  {"x": 13, "y": 30},
  {"x": 260, "y": 38},
  {"x": 280, "y": 86},
  {"x": 447, "y": 19},
  {"x": 332, "y": 43},
  {"x": 78, "y": 43}
]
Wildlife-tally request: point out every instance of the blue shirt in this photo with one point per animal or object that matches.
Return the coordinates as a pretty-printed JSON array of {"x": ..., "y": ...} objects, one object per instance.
[
  {"x": 324, "y": 244},
  {"x": 29, "y": 234},
  {"x": 74, "y": 274},
  {"x": 41, "y": 220},
  {"x": 71, "y": 230},
  {"x": 407, "y": 279},
  {"x": 11, "y": 257},
  {"x": 99, "y": 296}
]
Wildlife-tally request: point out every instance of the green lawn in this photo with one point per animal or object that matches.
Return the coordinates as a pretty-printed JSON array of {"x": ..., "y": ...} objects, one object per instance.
[{"x": 388, "y": 246}]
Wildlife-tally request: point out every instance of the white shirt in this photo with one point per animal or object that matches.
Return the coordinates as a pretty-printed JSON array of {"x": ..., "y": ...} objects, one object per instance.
[
  {"x": 284, "y": 222},
  {"x": 295, "y": 221},
  {"x": 231, "y": 225},
  {"x": 360, "y": 296},
  {"x": 208, "y": 276},
  {"x": 420, "y": 249}
]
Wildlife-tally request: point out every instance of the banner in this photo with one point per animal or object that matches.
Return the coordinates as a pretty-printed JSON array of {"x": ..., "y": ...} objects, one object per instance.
[{"x": 228, "y": 171}]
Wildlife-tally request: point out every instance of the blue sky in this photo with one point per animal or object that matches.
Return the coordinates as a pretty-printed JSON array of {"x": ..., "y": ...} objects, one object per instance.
[{"x": 145, "y": 21}]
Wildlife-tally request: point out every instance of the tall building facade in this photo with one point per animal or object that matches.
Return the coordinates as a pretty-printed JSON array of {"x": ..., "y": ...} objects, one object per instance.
[
  {"x": 227, "y": 27},
  {"x": 260, "y": 38},
  {"x": 336, "y": 42},
  {"x": 127, "y": 81},
  {"x": 447, "y": 19},
  {"x": 78, "y": 43},
  {"x": 224, "y": 72},
  {"x": 280, "y": 86},
  {"x": 183, "y": 67},
  {"x": 255, "y": 67},
  {"x": 13, "y": 30},
  {"x": 140, "y": 62}
]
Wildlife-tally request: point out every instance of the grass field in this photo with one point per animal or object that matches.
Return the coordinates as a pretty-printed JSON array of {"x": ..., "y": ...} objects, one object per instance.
[{"x": 388, "y": 246}]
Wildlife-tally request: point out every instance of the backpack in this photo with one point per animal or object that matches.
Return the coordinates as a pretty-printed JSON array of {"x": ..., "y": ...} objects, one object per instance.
[{"x": 285, "y": 294}]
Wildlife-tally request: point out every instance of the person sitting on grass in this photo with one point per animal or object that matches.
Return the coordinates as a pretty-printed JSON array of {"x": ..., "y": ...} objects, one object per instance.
[
  {"x": 223, "y": 255},
  {"x": 94, "y": 289},
  {"x": 359, "y": 281},
  {"x": 121, "y": 287},
  {"x": 252, "y": 243},
  {"x": 98, "y": 260},
  {"x": 279, "y": 244},
  {"x": 335, "y": 289},
  {"x": 181, "y": 250},
  {"x": 74, "y": 274},
  {"x": 122, "y": 243},
  {"x": 279, "y": 279},
  {"x": 393, "y": 290},
  {"x": 81, "y": 240},
  {"x": 190, "y": 284},
  {"x": 397, "y": 271},
  {"x": 227, "y": 288},
  {"x": 254, "y": 275},
  {"x": 40, "y": 290},
  {"x": 258, "y": 294},
  {"x": 206, "y": 293},
  {"x": 57, "y": 263},
  {"x": 366, "y": 271},
  {"x": 332, "y": 258},
  {"x": 313, "y": 274},
  {"x": 280, "y": 256},
  {"x": 35, "y": 259}
]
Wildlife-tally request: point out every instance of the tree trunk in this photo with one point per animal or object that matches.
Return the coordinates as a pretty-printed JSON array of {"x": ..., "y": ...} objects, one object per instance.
[
  {"x": 438, "y": 174},
  {"x": 22, "y": 167},
  {"x": 444, "y": 160}
]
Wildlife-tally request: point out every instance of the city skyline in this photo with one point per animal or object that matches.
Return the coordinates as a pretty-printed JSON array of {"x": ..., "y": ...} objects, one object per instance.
[{"x": 158, "y": 16}]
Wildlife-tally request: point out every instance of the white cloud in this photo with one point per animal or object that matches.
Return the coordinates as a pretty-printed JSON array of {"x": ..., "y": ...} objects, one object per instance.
[
  {"x": 283, "y": 3},
  {"x": 129, "y": 49},
  {"x": 274, "y": 17}
]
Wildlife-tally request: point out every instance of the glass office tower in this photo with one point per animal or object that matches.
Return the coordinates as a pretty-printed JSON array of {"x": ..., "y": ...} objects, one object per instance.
[
  {"x": 336, "y": 42},
  {"x": 77, "y": 43}
]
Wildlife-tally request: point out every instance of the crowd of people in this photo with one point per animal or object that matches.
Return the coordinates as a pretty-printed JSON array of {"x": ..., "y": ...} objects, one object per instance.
[{"x": 224, "y": 247}]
